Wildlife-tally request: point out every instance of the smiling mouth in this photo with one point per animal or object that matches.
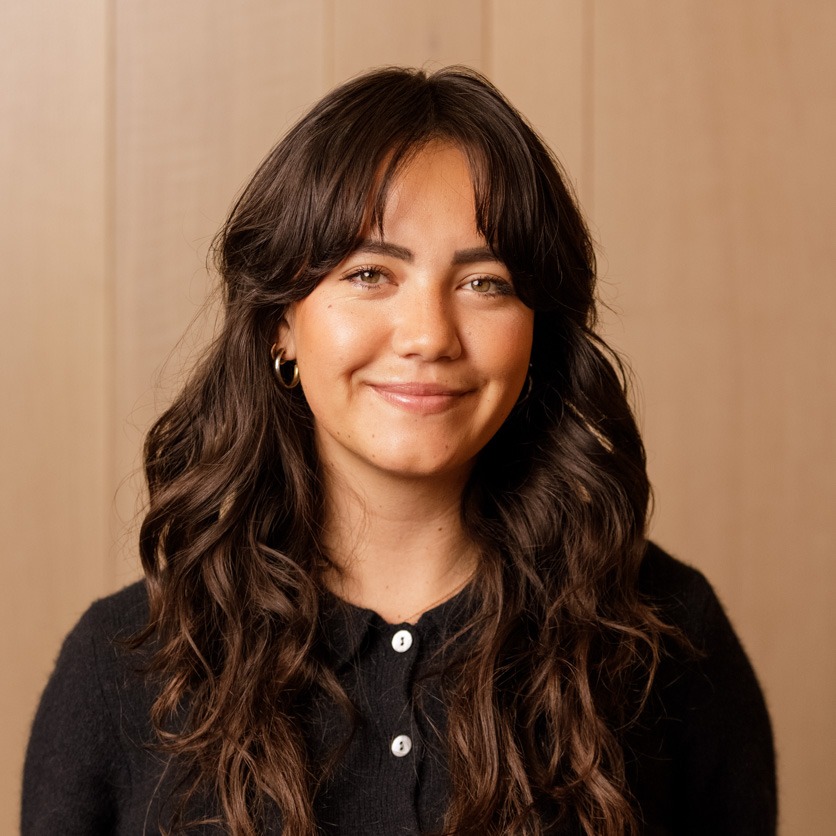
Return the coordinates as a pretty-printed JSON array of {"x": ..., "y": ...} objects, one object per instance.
[{"x": 420, "y": 398}]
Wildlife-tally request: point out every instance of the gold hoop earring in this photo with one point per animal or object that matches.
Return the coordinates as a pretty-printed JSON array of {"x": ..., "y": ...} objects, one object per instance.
[{"x": 277, "y": 353}]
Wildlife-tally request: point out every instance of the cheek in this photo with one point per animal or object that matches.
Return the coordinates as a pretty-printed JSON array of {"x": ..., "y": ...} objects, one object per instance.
[
  {"x": 509, "y": 352},
  {"x": 333, "y": 340}
]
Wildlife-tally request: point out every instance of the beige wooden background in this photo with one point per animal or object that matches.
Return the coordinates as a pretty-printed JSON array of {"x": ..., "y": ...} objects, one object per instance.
[{"x": 700, "y": 135}]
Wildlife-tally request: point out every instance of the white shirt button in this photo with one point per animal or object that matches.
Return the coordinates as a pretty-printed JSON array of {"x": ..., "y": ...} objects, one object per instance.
[
  {"x": 402, "y": 641},
  {"x": 401, "y": 745}
]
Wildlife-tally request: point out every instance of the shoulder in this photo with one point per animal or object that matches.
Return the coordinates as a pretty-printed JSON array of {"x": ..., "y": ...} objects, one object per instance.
[
  {"x": 96, "y": 661},
  {"x": 707, "y": 643},
  {"x": 95, "y": 652},
  {"x": 92, "y": 710},
  {"x": 98, "y": 648},
  {"x": 704, "y": 755},
  {"x": 116, "y": 617},
  {"x": 682, "y": 594},
  {"x": 665, "y": 577},
  {"x": 97, "y": 675}
]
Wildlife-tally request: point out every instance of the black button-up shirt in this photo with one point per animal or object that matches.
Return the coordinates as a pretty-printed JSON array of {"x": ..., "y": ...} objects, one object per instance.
[
  {"x": 700, "y": 761},
  {"x": 392, "y": 777}
]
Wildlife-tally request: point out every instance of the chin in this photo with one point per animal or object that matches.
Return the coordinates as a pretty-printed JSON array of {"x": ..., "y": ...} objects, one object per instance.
[{"x": 423, "y": 468}]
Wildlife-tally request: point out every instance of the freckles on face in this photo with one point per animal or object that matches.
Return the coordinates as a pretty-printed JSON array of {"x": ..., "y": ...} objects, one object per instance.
[{"x": 413, "y": 351}]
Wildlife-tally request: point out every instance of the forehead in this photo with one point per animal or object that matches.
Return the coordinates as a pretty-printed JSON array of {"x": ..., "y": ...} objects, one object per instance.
[{"x": 433, "y": 187}]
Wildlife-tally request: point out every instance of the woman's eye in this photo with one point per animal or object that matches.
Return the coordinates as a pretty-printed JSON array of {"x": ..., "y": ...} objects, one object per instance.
[
  {"x": 487, "y": 286},
  {"x": 367, "y": 277}
]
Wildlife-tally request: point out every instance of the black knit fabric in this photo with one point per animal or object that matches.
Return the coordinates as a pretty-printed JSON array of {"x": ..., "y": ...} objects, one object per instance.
[{"x": 700, "y": 762}]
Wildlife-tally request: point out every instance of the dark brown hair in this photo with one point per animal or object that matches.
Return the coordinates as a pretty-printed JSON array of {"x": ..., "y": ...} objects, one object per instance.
[{"x": 565, "y": 649}]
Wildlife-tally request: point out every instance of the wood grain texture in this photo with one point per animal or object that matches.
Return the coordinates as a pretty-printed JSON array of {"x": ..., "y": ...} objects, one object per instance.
[
  {"x": 700, "y": 137},
  {"x": 715, "y": 197},
  {"x": 431, "y": 34},
  {"x": 53, "y": 502},
  {"x": 539, "y": 57},
  {"x": 202, "y": 93}
]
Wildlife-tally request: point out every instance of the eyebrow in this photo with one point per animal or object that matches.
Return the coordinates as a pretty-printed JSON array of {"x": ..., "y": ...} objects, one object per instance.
[
  {"x": 471, "y": 255},
  {"x": 369, "y": 245},
  {"x": 475, "y": 254}
]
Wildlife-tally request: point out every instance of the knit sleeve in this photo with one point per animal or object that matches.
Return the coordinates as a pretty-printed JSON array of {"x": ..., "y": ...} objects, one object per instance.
[
  {"x": 705, "y": 761},
  {"x": 74, "y": 766},
  {"x": 729, "y": 777}
]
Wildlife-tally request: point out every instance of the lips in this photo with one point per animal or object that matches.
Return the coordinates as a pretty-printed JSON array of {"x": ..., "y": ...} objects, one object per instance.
[{"x": 420, "y": 398}]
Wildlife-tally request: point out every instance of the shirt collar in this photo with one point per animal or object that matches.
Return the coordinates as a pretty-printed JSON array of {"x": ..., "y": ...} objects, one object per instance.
[{"x": 345, "y": 626}]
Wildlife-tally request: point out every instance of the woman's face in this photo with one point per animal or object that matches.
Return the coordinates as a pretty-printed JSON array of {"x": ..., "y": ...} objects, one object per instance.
[{"x": 413, "y": 350}]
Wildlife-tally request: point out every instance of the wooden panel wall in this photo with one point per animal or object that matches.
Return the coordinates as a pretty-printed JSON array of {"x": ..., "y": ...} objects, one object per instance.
[
  {"x": 714, "y": 198},
  {"x": 201, "y": 92},
  {"x": 53, "y": 318},
  {"x": 698, "y": 136}
]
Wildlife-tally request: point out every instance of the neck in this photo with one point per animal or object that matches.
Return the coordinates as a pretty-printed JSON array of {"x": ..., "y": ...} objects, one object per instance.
[{"x": 397, "y": 545}]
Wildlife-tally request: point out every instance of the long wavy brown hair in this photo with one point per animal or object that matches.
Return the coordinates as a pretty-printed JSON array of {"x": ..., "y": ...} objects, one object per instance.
[{"x": 565, "y": 649}]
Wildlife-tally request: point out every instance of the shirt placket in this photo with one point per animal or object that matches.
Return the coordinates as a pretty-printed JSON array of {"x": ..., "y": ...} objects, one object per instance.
[{"x": 391, "y": 704}]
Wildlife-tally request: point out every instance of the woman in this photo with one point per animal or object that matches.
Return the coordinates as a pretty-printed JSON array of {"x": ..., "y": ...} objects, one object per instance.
[{"x": 397, "y": 577}]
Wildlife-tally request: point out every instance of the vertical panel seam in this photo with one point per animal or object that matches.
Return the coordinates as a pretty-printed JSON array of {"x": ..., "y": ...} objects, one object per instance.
[
  {"x": 487, "y": 37},
  {"x": 588, "y": 106},
  {"x": 329, "y": 40},
  {"x": 108, "y": 367}
]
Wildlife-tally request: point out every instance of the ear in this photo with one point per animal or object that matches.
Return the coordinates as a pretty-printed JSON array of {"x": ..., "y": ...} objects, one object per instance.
[{"x": 285, "y": 338}]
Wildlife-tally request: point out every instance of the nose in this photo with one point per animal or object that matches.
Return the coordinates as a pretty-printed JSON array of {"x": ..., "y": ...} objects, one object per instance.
[{"x": 426, "y": 327}]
